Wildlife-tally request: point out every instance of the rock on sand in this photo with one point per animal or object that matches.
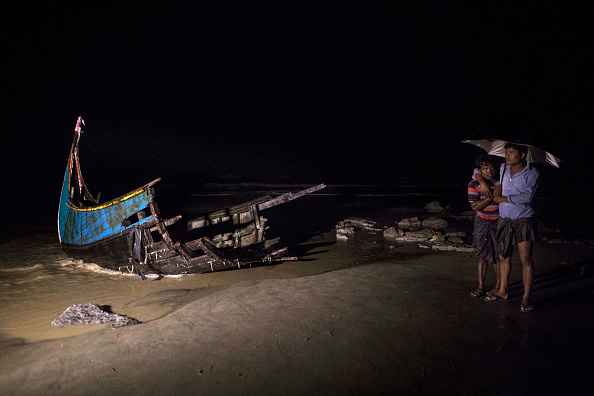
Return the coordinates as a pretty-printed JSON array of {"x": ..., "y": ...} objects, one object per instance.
[{"x": 77, "y": 314}]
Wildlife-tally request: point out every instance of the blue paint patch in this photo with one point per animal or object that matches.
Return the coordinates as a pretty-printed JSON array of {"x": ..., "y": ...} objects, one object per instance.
[{"x": 82, "y": 226}]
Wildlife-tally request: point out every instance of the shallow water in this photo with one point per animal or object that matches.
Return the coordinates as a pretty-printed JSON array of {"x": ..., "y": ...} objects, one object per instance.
[{"x": 38, "y": 281}]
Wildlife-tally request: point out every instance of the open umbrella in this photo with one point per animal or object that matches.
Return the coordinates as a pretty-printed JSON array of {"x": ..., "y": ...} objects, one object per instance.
[{"x": 497, "y": 147}]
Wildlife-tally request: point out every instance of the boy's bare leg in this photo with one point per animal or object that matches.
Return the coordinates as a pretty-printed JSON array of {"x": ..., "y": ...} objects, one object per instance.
[
  {"x": 504, "y": 269},
  {"x": 482, "y": 270}
]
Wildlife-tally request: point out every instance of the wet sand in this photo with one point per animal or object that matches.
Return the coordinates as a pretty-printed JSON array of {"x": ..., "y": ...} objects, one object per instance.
[{"x": 401, "y": 322}]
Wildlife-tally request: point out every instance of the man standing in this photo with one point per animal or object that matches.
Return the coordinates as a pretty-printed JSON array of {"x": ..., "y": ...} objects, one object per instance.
[
  {"x": 516, "y": 226},
  {"x": 485, "y": 222}
]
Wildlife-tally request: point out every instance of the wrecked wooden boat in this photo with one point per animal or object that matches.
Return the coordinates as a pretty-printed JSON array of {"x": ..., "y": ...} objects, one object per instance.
[{"x": 128, "y": 234}]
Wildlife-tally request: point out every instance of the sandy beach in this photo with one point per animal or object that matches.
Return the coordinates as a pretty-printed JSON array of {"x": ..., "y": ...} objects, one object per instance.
[{"x": 406, "y": 325}]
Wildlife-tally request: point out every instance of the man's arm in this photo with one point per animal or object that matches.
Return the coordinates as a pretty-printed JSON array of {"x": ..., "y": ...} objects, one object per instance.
[
  {"x": 484, "y": 186},
  {"x": 526, "y": 196}
]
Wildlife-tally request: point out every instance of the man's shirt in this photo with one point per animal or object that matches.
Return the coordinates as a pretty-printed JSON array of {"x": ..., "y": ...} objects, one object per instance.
[
  {"x": 519, "y": 190},
  {"x": 491, "y": 211}
]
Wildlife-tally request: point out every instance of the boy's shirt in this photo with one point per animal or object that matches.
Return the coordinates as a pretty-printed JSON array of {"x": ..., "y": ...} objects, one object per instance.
[{"x": 491, "y": 211}]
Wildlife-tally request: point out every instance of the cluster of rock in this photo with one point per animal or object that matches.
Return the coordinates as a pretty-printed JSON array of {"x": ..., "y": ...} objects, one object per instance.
[
  {"x": 555, "y": 236},
  {"x": 77, "y": 314},
  {"x": 576, "y": 242},
  {"x": 346, "y": 228},
  {"x": 430, "y": 232}
]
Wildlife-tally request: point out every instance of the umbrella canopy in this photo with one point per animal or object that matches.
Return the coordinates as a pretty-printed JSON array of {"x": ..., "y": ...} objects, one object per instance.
[{"x": 497, "y": 147}]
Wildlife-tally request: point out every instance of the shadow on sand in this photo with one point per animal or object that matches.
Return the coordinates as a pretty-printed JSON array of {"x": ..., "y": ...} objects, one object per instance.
[{"x": 569, "y": 280}]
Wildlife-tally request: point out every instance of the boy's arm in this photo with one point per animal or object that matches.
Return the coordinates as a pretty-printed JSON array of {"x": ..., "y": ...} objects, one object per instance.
[
  {"x": 476, "y": 202},
  {"x": 480, "y": 204}
]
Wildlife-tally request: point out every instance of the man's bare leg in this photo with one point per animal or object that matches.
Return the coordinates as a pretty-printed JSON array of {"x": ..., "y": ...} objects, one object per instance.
[
  {"x": 497, "y": 278},
  {"x": 525, "y": 251}
]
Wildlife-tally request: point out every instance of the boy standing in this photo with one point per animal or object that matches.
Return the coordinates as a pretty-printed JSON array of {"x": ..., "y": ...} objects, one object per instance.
[{"x": 485, "y": 222}]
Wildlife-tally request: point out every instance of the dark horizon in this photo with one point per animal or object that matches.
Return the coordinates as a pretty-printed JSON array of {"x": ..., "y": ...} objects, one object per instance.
[{"x": 378, "y": 92}]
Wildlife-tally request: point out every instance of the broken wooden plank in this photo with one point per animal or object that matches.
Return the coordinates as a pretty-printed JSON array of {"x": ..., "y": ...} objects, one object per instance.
[
  {"x": 224, "y": 215},
  {"x": 261, "y": 203},
  {"x": 289, "y": 197}
]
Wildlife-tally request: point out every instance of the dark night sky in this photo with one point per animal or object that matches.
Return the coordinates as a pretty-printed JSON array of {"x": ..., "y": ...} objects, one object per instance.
[{"x": 321, "y": 90}]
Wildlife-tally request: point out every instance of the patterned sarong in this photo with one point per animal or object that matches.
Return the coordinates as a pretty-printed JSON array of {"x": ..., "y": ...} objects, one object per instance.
[{"x": 485, "y": 239}]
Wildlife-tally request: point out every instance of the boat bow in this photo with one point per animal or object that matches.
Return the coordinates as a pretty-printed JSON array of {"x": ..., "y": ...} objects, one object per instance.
[{"x": 82, "y": 220}]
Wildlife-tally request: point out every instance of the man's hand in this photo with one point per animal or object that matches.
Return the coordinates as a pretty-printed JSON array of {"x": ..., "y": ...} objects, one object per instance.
[
  {"x": 498, "y": 190},
  {"x": 486, "y": 189},
  {"x": 498, "y": 197}
]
